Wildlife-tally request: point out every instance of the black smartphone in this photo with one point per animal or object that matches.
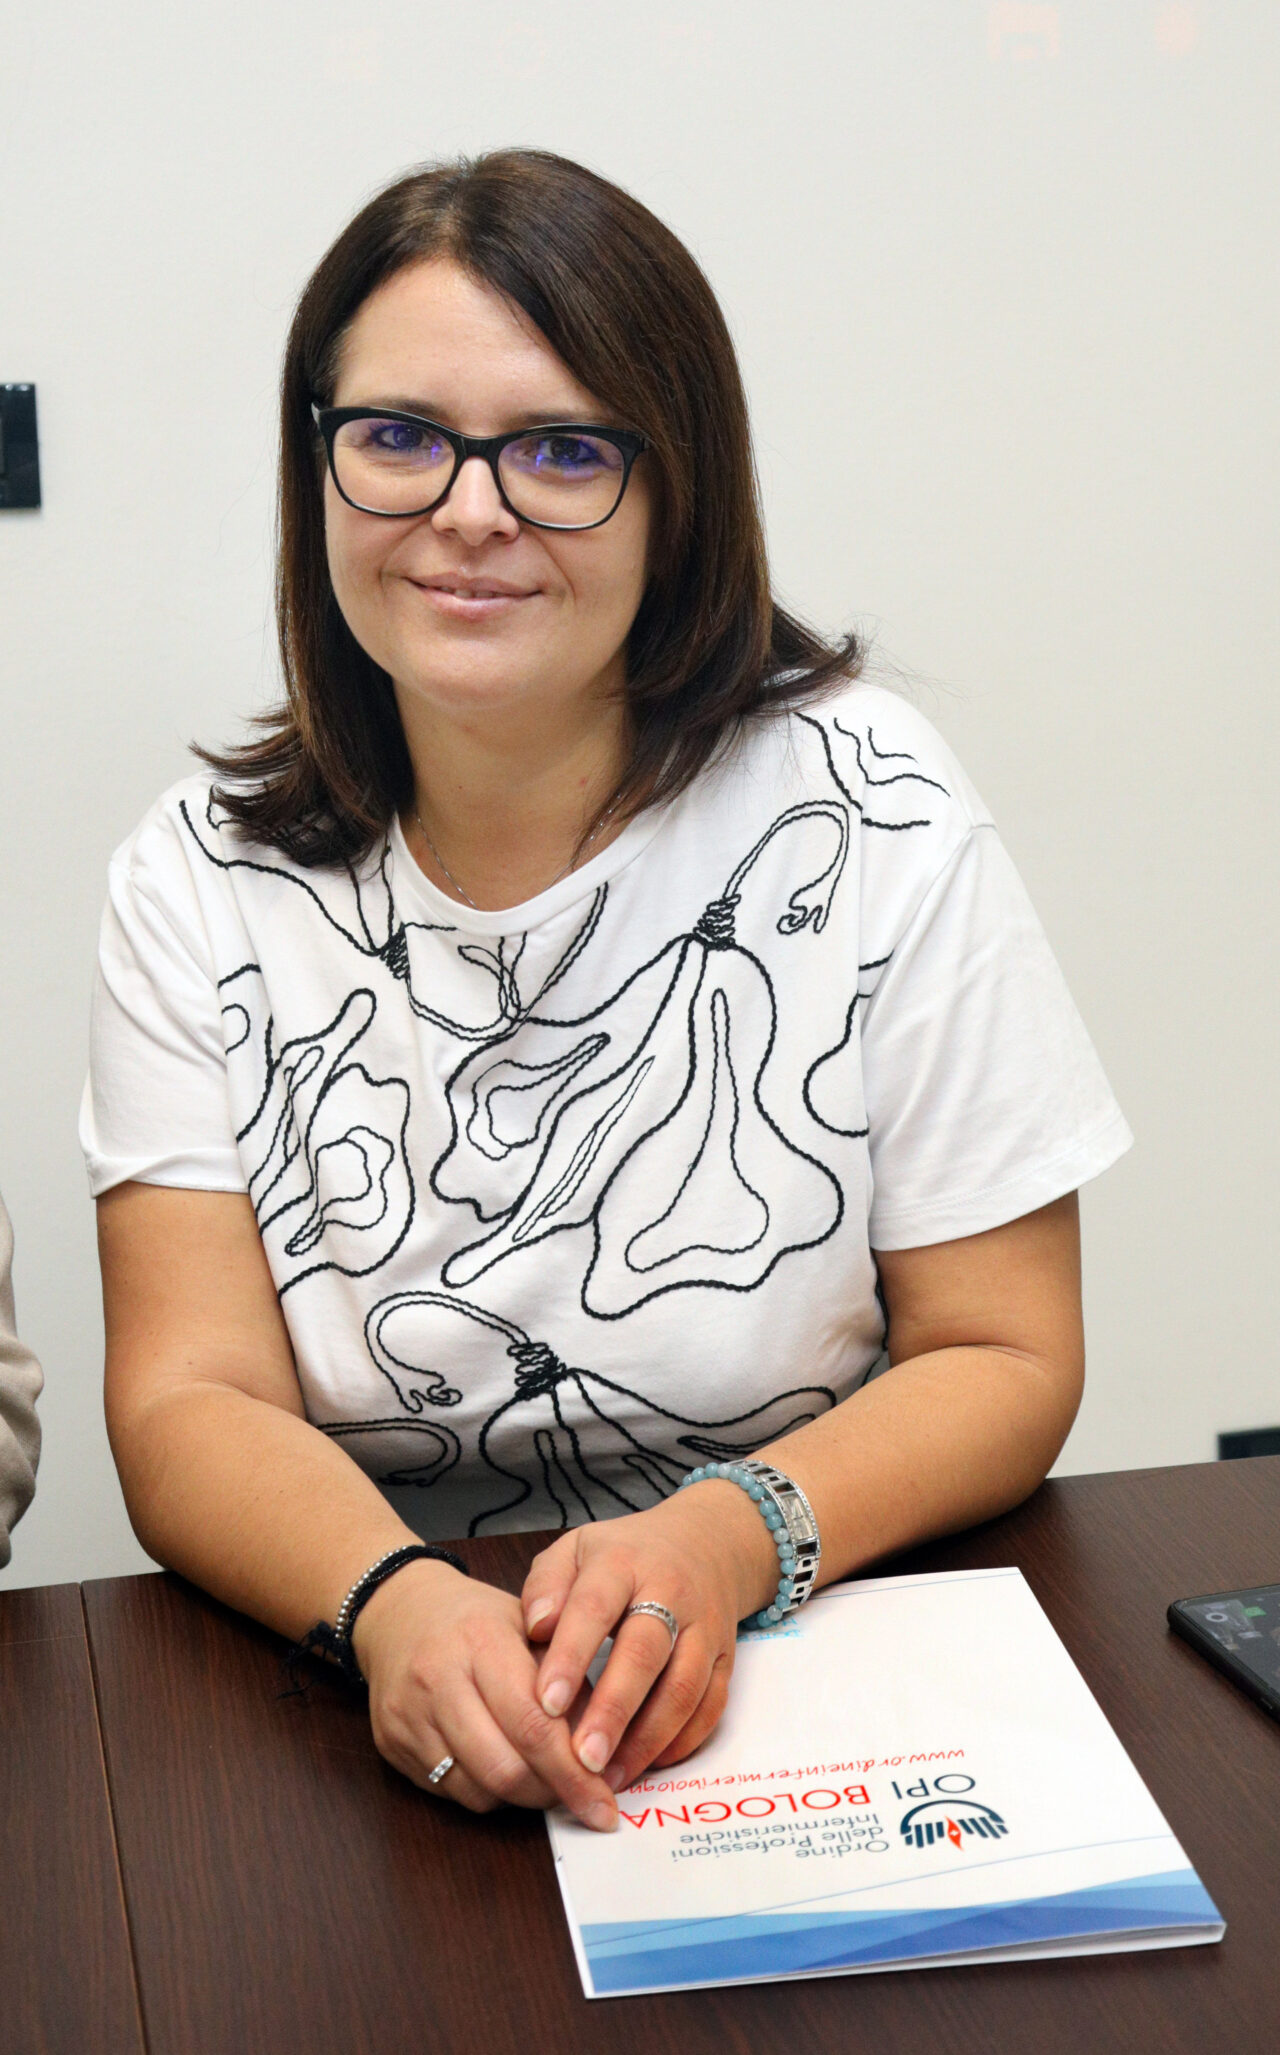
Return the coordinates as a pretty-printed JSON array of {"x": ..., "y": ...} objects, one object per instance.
[{"x": 1239, "y": 1632}]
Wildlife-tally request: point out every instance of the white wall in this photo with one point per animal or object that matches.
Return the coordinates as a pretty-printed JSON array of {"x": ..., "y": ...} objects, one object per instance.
[{"x": 1007, "y": 304}]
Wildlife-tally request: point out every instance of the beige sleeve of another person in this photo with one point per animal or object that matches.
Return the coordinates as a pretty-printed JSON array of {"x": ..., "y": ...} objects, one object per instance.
[{"x": 20, "y": 1383}]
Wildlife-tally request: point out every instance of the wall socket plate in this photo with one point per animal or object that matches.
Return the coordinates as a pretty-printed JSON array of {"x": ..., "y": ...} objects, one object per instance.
[
  {"x": 1250, "y": 1441},
  {"x": 19, "y": 447}
]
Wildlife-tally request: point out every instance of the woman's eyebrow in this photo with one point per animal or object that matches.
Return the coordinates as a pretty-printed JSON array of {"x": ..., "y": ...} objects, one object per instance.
[{"x": 547, "y": 417}]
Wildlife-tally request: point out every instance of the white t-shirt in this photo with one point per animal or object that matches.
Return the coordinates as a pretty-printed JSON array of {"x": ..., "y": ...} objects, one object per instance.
[{"x": 565, "y": 1199}]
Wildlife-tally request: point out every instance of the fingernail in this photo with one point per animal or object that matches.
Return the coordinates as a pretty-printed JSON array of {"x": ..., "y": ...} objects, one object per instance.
[
  {"x": 538, "y": 1611},
  {"x": 615, "y": 1776},
  {"x": 556, "y": 1697},
  {"x": 593, "y": 1753},
  {"x": 601, "y": 1818}
]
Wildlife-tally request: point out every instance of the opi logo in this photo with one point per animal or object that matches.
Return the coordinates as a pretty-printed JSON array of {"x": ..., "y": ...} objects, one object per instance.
[
  {"x": 941, "y": 1819},
  {"x": 950, "y": 1814}
]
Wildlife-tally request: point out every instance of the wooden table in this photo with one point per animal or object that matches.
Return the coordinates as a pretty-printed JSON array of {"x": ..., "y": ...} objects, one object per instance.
[
  {"x": 66, "y": 1967},
  {"x": 283, "y": 1888}
]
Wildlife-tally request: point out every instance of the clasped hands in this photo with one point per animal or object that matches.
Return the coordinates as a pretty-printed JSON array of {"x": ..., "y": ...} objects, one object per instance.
[{"x": 459, "y": 1669}]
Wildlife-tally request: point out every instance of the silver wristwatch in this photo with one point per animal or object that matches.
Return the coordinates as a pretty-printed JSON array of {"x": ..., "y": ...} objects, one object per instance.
[{"x": 801, "y": 1525}]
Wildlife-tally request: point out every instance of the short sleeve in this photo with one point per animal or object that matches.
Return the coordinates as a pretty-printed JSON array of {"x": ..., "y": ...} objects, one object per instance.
[
  {"x": 155, "y": 1105},
  {"x": 985, "y": 1098}
]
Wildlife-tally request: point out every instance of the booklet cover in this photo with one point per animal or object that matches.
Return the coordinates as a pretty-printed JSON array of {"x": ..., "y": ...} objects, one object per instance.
[{"x": 911, "y": 1772}]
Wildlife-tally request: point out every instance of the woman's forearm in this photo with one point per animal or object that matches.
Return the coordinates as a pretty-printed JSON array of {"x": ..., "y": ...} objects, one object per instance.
[
  {"x": 987, "y": 1341},
  {"x": 267, "y": 1513},
  {"x": 251, "y": 1502},
  {"x": 934, "y": 1445},
  {"x": 224, "y": 1478}
]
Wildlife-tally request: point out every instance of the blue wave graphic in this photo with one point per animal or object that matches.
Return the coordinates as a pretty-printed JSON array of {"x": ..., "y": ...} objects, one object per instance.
[{"x": 656, "y": 1954}]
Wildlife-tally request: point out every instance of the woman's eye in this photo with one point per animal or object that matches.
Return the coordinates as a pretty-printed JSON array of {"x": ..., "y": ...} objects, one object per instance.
[
  {"x": 374, "y": 439},
  {"x": 395, "y": 436},
  {"x": 571, "y": 455}
]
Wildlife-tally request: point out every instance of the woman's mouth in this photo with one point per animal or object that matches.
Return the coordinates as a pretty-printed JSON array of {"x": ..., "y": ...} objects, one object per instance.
[{"x": 471, "y": 599}]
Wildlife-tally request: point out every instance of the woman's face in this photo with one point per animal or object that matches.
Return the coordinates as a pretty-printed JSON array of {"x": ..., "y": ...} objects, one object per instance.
[{"x": 417, "y": 592}]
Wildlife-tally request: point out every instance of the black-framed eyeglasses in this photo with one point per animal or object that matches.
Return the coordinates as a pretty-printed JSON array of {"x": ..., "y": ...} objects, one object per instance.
[{"x": 567, "y": 474}]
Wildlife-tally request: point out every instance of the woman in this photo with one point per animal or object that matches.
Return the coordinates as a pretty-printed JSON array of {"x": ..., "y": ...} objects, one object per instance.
[{"x": 564, "y": 1050}]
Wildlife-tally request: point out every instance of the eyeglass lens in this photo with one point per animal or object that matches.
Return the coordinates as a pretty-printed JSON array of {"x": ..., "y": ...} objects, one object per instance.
[{"x": 561, "y": 478}]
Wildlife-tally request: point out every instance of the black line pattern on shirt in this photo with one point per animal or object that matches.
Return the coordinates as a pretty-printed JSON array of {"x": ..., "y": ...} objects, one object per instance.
[
  {"x": 398, "y": 1451},
  {"x": 896, "y": 755},
  {"x": 883, "y": 755},
  {"x": 844, "y": 1047},
  {"x": 378, "y": 933},
  {"x": 565, "y": 1444},
  {"x": 869, "y": 820},
  {"x": 668, "y": 1162},
  {"x": 237, "y": 1020},
  {"x": 326, "y": 1146}
]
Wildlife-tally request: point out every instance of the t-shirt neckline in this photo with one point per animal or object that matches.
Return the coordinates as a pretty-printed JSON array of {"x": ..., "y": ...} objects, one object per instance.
[{"x": 412, "y": 882}]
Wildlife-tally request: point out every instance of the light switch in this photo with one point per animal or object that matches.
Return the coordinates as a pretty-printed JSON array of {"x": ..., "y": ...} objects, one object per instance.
[{"x": 19, "y": 449}]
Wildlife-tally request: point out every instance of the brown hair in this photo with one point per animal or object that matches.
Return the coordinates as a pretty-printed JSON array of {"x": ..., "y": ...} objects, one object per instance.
[{"x": 624, "y": 305}]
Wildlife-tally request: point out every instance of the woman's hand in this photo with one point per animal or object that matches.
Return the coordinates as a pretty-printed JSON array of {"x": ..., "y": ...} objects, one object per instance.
[
  {"x": 704, "y": 1554},
  {"x": 451, "y": 1673}
]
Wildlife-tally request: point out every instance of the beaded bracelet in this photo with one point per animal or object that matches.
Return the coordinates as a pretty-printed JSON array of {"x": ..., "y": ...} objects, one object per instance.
[
  {"x": 334, "y": 1643},
  {"x": 787, "y": 1514}
]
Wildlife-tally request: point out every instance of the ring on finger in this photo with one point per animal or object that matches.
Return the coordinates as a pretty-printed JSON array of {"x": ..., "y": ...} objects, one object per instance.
[
  {"x": 441, "y": 1770},
  {"x": 657, "y": 1612}
]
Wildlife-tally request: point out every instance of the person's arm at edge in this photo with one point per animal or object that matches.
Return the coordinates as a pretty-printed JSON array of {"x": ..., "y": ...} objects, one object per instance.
[{"x": 20, "y": 1387}]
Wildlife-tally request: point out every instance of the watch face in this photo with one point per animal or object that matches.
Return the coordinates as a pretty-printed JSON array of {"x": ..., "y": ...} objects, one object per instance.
[
  {"x": 800, "y": 1525},
  {"x": 1247, "y": 1625}
]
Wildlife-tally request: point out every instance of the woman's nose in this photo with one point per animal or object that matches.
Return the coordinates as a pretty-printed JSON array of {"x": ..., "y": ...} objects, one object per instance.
[{"x": 472, "y": 508}]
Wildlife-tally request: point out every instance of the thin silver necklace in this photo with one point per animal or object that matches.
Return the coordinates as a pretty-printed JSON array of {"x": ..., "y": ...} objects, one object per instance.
[{"x": 572, "y": 864}]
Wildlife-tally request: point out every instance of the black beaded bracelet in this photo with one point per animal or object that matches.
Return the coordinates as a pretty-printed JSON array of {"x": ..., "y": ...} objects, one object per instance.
[{"x": 334, "y": 1642}]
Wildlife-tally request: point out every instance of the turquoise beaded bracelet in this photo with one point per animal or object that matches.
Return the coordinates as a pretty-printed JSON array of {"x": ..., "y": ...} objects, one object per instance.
[{"x": 787, "y": 1514}]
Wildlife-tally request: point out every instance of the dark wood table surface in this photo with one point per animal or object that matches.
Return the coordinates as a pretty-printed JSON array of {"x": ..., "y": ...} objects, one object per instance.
[
  {"x": 284, "y": 1888},
  {"x": 66, "y": 1968}
]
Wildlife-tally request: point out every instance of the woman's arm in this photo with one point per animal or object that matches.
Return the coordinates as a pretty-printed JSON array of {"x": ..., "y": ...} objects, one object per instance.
[
  {"x": 20, "y": 1385},
  {"x": 986, "y": 1341},
  {"x": 223, "y": 1477},
  {"x": 986, "y": 1345},
  {"x": 226, "y": 1481}
]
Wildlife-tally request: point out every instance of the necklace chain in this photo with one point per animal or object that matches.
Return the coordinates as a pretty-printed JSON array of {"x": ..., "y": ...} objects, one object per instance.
[{"x": 572, "y": 864}]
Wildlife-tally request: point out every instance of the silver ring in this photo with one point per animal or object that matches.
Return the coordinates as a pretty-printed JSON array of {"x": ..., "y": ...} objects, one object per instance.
[
  {"x": 659, "y": 1612},
  {"x": 441, "y": 1769}
]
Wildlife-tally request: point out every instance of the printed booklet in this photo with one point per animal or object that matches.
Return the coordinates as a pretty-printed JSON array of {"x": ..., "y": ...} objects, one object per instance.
[{"x": 911, "y": 1772}]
